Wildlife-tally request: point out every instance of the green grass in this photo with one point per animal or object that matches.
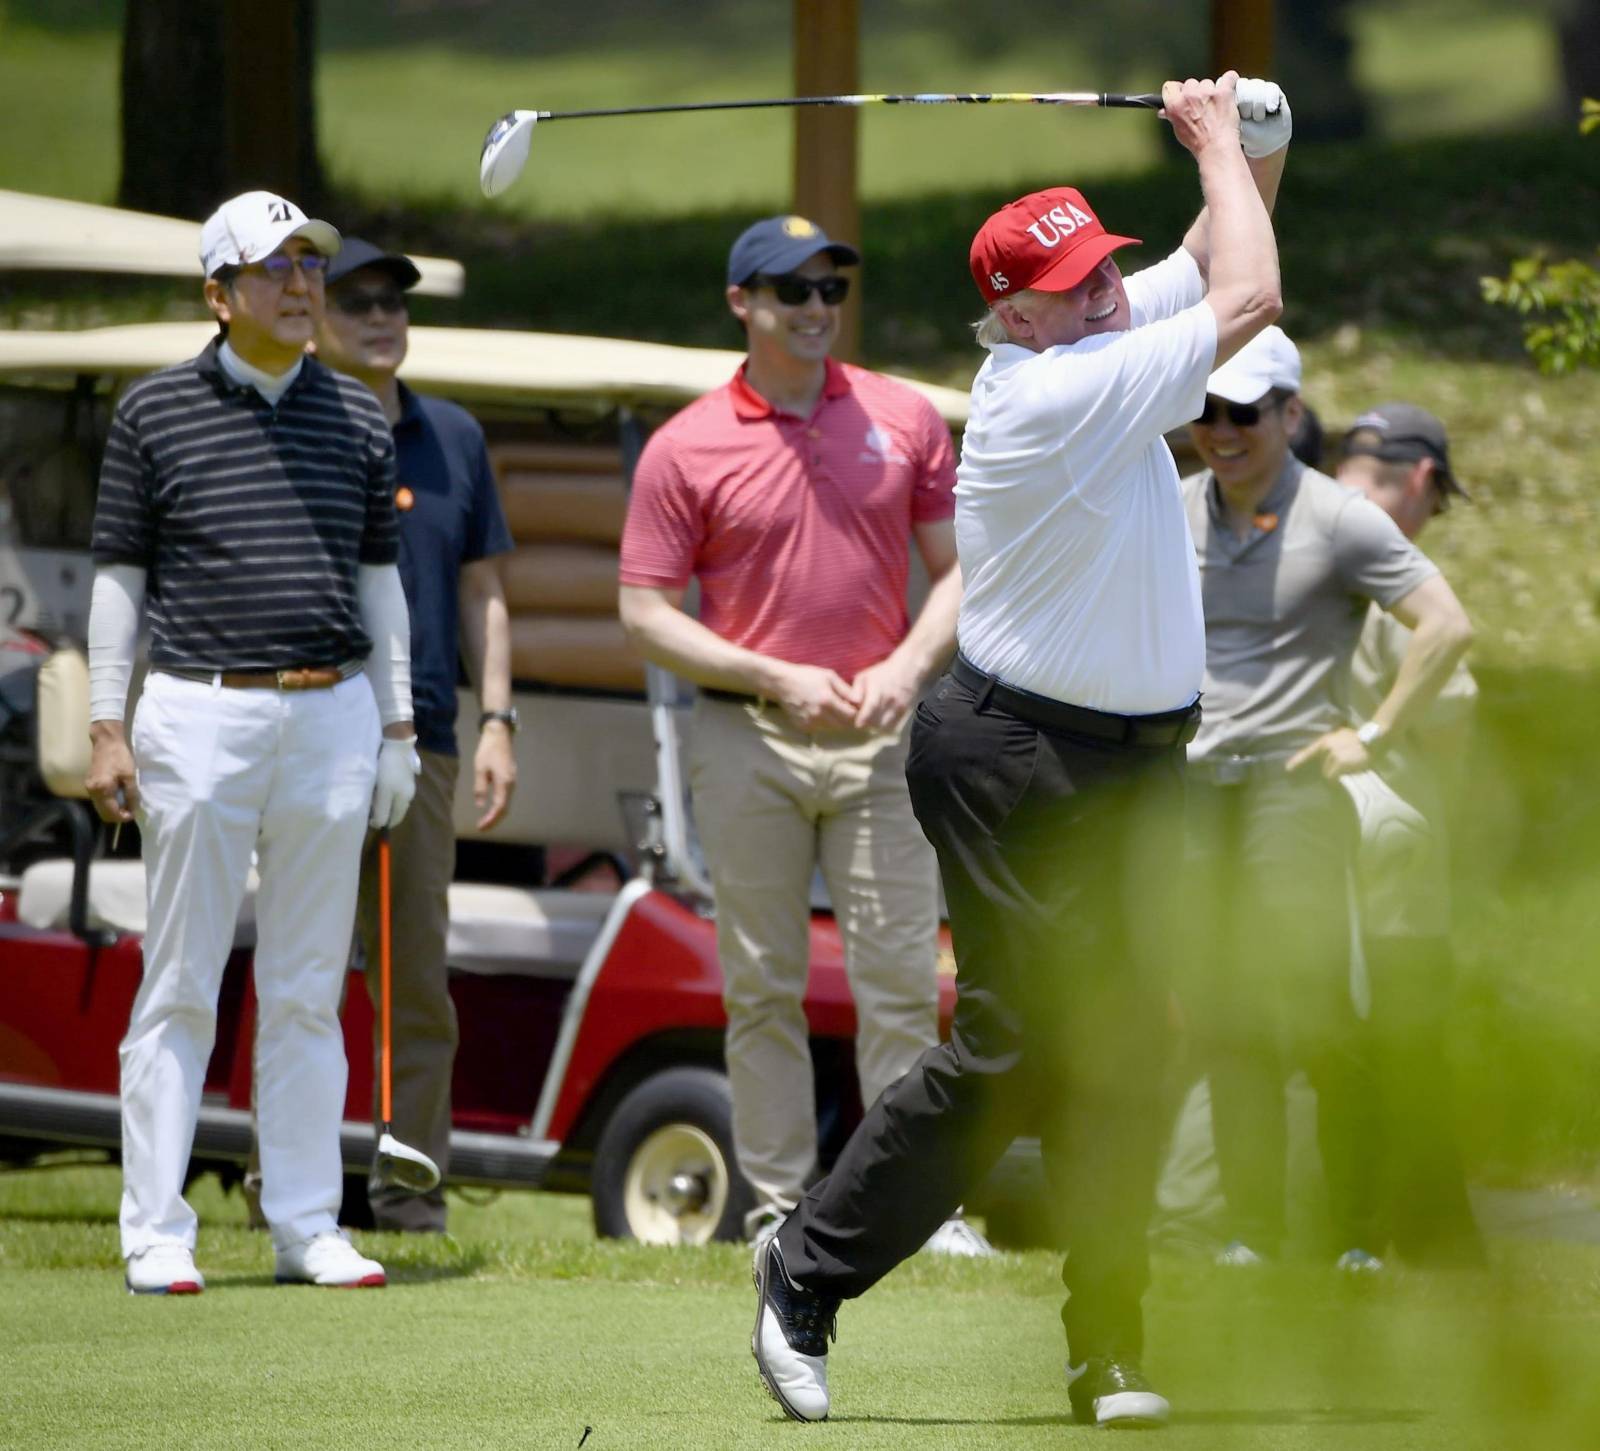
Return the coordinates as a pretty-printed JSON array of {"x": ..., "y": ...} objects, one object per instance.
[
  {"x": 523, "y": 1331},
  {"x": 405, "y": 98}
]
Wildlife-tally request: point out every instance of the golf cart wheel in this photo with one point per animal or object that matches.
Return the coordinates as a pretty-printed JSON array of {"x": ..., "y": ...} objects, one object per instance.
[{"x": 664, "y": 1171}]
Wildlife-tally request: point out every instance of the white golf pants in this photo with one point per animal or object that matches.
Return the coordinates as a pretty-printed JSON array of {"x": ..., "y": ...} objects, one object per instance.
[{"x": 222, "y": 773}]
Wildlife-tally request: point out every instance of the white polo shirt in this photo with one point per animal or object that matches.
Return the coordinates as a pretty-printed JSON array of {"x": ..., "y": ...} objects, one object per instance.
[{"x": 1079, "y": 575}]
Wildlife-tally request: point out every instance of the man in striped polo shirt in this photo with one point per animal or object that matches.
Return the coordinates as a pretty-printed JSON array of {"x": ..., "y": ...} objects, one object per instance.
[
  {"x": 792, "y": 493},
  {"x": 247, "y": 498}
]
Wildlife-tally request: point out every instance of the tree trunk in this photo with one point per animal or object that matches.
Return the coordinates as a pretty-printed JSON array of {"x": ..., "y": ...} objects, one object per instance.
[
  {"x": 1580, "y": 54},
  {"x": 217, "y": 99}
]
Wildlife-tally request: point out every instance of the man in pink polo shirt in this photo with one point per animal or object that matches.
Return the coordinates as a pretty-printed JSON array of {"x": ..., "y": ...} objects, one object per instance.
[{"x": 791, "y": 494}]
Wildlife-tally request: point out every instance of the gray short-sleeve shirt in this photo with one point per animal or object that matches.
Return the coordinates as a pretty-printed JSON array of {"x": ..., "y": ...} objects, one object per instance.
[{"x": 1284, "y": 608}]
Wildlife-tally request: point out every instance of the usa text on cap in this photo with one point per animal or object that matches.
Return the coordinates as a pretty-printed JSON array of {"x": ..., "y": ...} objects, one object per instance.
[{"x": 1050, "y": 240}]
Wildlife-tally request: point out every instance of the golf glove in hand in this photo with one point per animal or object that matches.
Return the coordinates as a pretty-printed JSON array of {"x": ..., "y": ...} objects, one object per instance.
[
  {"x": 1264, "y": 122},
  {"x": 399, "y": 765}
]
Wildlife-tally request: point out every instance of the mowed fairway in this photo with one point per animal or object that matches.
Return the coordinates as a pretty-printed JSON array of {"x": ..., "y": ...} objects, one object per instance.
[{"x": 522, "y": 1332}]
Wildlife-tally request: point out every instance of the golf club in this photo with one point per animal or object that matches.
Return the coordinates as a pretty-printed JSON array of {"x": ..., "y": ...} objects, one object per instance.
[
  {"x": 398, "y": 1164},
  {"x": 505, "y": 148}
]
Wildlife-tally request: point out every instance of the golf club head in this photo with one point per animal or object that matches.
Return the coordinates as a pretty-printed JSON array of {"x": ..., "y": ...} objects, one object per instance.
[
  {"x": 404, "y": 1167},
  {"x": 505, "y": 151}
]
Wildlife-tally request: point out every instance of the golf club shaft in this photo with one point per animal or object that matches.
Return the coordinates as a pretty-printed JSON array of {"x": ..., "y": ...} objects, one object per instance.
[
  {"x": 931, "y": 98},
  {"x": 383, "y": 973}
]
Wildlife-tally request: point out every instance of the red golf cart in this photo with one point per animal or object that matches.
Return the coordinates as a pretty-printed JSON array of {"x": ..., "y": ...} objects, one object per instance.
[{"x": 582, "y": 940}]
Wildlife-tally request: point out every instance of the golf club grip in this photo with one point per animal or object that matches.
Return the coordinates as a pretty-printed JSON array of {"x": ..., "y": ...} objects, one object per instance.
[
  {"x": 1147, "y": 101},
  {"x": 383, "y": 972}
]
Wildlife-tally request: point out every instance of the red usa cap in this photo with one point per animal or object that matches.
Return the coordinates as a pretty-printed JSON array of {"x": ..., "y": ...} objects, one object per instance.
[{"x": 1048, "y": 239}]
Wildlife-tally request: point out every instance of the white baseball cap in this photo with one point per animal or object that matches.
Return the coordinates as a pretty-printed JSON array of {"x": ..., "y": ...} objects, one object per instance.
[
  {"x": 1269, "y": 360},
  {"x": 255, "y": 225}
]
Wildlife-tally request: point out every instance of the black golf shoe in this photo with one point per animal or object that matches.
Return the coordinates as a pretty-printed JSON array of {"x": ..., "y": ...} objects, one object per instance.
[
  {"x": 790, "y": 1341},
  {"x": 1114, "y": 1393}
]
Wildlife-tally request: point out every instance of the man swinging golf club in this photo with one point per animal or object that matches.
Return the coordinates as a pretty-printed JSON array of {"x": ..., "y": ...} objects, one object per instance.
[{"x": 1046, "y": 766}]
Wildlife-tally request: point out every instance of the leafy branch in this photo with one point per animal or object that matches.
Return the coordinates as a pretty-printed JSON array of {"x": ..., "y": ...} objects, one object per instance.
[{"x": 1560, "y": 299}]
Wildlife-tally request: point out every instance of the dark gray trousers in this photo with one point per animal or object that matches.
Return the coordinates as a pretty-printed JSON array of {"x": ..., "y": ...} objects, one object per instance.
[{"x": 1057, "y": 853}]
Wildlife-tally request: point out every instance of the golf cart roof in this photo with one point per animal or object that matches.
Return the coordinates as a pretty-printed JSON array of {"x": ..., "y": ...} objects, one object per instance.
[
  {"x": 48, "y": 234},
  {"x": 481, "y": 365}
]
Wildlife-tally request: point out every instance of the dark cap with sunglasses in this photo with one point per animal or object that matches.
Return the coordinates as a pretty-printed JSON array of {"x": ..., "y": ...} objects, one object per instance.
[
  {"x": 357, "y": 253},
  {"x": 777, "y": 245},
  {"x": 1403, "y": 433}
]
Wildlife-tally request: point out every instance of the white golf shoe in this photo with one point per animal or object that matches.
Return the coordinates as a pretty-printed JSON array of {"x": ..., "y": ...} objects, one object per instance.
[
  {"x": 164, "y": 1269},
  {"x": 790, "y": 1341},
  {"x": 328, "y": 1259},
  {"x": 958, "y": 1238}
]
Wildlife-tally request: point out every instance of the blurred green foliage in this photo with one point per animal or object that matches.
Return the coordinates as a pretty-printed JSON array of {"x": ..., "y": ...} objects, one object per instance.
[{"x": 1565, "y": 295}]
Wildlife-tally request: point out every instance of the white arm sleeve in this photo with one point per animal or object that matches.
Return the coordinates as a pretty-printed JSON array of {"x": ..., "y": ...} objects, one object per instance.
[
  {"x": 382, "y": 600},
  {"x": 113, "y": 637}
]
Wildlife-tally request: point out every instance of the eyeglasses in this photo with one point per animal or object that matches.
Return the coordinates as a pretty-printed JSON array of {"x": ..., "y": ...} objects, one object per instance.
[
  {"x": 359, "y": 304},
  {"x": 1240, "y": 415},
  {"x": 793, "y": 290},
  {"x": 279, "y": 265}
]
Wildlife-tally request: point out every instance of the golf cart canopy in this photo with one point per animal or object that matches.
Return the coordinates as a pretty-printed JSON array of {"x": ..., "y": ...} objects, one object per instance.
[
  {"x": 474, "y": 365},
  {"x": 47, "y": 234}
]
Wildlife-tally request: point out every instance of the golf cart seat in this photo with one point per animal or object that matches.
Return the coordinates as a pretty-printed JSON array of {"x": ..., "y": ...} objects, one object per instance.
[
  {"x": 116, "y": 898},
  {"x": 497, "y": 929}
]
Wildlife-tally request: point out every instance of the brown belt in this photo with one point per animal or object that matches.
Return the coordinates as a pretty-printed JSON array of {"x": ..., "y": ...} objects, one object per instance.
[{"x": 310, "y": 677}]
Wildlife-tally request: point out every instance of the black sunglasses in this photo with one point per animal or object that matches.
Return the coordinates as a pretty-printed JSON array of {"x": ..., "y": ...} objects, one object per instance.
[
  {"x": 1240, "y": 415},
  {"x": 793, "y": 291},
  {"x": 359, "y": 304}
]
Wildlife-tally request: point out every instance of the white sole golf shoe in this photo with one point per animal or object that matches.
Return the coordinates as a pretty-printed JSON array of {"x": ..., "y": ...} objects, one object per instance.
[
  {"x": 1115, "y": 1394},
  {"x": 328, "y": 1259},
  {"x": 790, "y": 1341},
  {"x": 163, "y": 1269}
]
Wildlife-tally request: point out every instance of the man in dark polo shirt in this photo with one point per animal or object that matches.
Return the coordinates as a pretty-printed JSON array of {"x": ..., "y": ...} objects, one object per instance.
[
  {"x": 247, "y": 498},
  {"x": 1289, "y": 564},
  {"x": 451, "y": 527}
]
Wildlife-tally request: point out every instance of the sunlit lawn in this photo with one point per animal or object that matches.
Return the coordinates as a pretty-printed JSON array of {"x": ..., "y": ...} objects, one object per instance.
[
  {"x": 522, "y": 1331},
  {"x": 401, "y": 119}
]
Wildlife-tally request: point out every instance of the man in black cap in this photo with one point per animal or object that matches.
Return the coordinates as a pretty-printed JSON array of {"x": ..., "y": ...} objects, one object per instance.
[
  {"x": 451, "y": 527},
  {"x": 792, "y": 493},
  {"x": 1398, "y": 455}
]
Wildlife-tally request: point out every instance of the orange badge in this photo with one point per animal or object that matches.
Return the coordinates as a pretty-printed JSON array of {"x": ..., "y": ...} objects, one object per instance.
[
  {"x": 1266, "y": 523},
  {"x": 404, "y": 498}
]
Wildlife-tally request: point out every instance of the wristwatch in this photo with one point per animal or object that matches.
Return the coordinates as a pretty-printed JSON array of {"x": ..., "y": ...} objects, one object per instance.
[
  {"x": 508, "y": 718},
  {"x": 1371, "y": 735}
]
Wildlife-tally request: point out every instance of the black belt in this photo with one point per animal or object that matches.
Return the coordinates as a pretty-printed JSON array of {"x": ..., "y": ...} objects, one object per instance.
[
  {"x": 1170, "y": 728},
  {"x": 735, "y": 697}
]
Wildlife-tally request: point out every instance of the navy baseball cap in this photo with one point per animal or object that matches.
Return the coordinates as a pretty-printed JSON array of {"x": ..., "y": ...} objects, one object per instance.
[
  {"x": 356, "y": 254},
  {"x": 780, "y": 244}
]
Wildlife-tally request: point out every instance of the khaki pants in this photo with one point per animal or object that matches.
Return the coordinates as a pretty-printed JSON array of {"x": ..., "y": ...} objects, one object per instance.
[
  {"x": 773, "y": 803},
  {"x": 422, "y": 856}
]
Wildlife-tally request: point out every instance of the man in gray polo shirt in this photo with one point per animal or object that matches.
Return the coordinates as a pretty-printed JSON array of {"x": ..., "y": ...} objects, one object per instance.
[
  {"x": 1399, "y": 456},
  {"x": 1289, "y": 562}
]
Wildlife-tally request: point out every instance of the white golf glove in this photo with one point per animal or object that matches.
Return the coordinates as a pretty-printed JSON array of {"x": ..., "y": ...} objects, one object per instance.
[
  {"x": 1264, "y": 121},
  {"x": 399, "y": 765}
]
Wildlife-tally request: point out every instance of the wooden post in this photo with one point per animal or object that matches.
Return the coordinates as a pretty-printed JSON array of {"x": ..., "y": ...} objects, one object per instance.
[
  {"x": 271, "y": 107},
  {"x": 1242, "y": 36},
  {"x": 826, "y": 42}
]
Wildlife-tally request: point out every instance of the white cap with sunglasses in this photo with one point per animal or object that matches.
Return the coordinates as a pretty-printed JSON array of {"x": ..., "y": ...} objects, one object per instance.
[
  {"x": 1268, "y": 361},
  {"x": 251, "y": 227}
]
